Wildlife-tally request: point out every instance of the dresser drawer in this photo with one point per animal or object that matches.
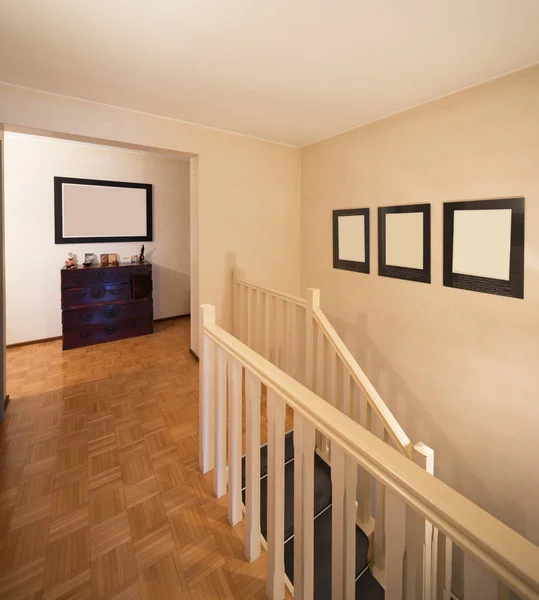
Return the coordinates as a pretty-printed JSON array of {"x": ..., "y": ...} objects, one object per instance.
[
  {"x": 84, "y": 277},
  {"x": 105, "y": 313},
  {"x": 106, "y": 332},
  {"x": 97, "y": 294}
]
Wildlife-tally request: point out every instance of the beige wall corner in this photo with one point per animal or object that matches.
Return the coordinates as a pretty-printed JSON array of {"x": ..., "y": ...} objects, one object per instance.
[{"x": 457, "y": 368}]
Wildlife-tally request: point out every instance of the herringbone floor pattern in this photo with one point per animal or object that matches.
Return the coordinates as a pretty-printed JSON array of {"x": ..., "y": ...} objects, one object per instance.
[{"x": 100, "y": 492}]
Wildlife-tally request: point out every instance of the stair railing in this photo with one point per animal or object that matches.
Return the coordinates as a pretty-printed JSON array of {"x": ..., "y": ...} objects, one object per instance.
[
  {"x": 497, "y": 558},
  {"x": 294, "y": 334}
]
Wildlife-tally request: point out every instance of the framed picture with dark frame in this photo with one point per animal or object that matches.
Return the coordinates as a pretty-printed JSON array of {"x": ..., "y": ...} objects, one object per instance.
[
  {"x": 484, "y": 246},
  {"x": 351, "y": 240},
  {"x": 93, "y": 211},
  {"x": 404, "y": 242}
]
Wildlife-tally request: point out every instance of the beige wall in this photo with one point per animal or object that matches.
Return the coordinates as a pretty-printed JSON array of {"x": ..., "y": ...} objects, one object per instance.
[
  {"x": 248, "y": 190},
  {"x": 459, "y": 369},
  {"x": 33, "y": 260}
]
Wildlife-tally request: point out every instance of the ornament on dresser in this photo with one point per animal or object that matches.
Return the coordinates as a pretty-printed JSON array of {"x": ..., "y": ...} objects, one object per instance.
[
  {"x": 141, "y": 258},
  {"x": 88, "y": 259},
  {"x": 71, "y": 261},
  {"x": 104, "y": 260},
  {"x": 113, "y": 260}
]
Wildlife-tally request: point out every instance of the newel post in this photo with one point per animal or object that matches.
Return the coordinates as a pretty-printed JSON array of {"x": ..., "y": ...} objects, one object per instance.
[
  {"x": 313, "y": 302},
  {"x": 207, "y": 390}
]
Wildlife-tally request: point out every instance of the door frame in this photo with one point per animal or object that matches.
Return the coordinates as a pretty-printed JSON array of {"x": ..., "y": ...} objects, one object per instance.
[{"x": 3, "y": 396}]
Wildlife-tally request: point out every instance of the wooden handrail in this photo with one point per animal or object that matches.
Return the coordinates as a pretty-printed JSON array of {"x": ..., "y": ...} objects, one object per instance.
[
  {"x": 509, "y": 556},
  {"x": 289, "y": 297},
  {"x": 362, "y": 381}
]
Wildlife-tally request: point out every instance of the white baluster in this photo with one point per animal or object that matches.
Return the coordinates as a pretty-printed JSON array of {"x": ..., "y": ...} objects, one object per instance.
[
  {"x": 395, "y": 530},
  {"x": 278, "y": 333},
  {"x": 313, "y": 300},
  {"x": 379, "y": 545},
  {"x": 235, "y": 304},
  {"x": 249, "y": 315},
  {"x": 333, "y": 378},
  {"x": 346, "y": 394},
  {"x": 219, "y": 473},
  {"x": 445, "y": 567},
  {"x": 267, "y": 327},
  {"x": 321, "y": 441},
  {"x": 252, "y": 467},
  {"x": 343, "y": 552},
  {"x": 363, "y": 415},
  {"x": 275, "y": 560},
  {"x": 234, "y": 441},
  {"x": 424, "y": 457},
  {"x": 207, "y": 391},
  {"x": 294, "y": 349},
  {"x": 303, "y": 508}
]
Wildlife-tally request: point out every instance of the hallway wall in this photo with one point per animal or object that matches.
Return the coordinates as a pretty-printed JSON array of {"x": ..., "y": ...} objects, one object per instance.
[{"x": 459, "y": 369}]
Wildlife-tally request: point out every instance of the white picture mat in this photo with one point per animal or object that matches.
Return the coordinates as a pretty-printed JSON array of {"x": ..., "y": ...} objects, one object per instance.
[
  {"x": 482, "y": 242},
  {"x": 351, "y": 237},
  {"x": 404, "y": 240},
  {"x": 103, "y": 211}
]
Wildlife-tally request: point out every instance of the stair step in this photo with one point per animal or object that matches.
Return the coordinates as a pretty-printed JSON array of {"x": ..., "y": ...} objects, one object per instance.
[
  {"x": 322, "y": 495},
  {"x": 288, "y": 455},
  {"x": 367, "y": 588},
  {"x": 322, "y": 556}
]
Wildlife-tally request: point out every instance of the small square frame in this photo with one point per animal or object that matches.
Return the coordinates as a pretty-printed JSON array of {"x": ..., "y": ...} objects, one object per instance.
[
  {"x": 514, "y": 287},
  {"x": 384, "y": 270},
  {"x": 351, "y": 265}
]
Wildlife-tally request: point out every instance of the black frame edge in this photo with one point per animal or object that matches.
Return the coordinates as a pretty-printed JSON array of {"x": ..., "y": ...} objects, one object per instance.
[
  {"x": 514, "y": 287},
  {"x": 408, "y": 274},
  {"x": 351, "y": 265},
  {"x": 58, "y": 221}
]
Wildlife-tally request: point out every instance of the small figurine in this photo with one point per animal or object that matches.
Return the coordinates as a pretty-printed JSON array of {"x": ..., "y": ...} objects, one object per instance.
[
  {"x": 70, "y": 262},
  {"x": 141, "y": 257}
]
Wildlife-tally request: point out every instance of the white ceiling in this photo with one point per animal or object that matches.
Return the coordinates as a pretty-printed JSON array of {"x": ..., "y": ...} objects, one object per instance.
[{"x": 293, "y": 71}]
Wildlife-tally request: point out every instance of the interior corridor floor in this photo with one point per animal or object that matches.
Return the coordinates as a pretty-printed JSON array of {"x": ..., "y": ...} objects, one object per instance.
[{"x": 101, "y": 496}]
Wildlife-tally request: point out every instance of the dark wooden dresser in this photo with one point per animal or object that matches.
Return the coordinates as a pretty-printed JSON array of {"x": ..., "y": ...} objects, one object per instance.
[{"x": 101, "y": 304}]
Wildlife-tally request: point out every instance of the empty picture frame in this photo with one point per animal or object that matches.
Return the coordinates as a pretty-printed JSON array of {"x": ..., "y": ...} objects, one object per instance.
[
  {"x": 404, "y": 242},
  {"x": 351, "y": 250},
  {"x": 484, "y": 246},
  {"x": 92, "y": 210}
]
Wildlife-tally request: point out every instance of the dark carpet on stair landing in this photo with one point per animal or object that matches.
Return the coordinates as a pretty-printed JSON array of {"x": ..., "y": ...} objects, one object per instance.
[{"x": 367, "y": 588}]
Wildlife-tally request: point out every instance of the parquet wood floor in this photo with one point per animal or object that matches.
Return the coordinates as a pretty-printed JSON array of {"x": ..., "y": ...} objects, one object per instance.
[{"x": 101, "y": 496}]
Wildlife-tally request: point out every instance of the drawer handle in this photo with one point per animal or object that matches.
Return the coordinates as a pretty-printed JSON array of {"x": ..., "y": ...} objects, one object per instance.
[
  {"x": 85, "y": 317},
  {"x": 98, "y": 292},
  {"x": 109, "y": 311},
  {"x": 85, "y": 334},
  {"x": 99, "y": 274},
  {"x": 110, "y": 328}
]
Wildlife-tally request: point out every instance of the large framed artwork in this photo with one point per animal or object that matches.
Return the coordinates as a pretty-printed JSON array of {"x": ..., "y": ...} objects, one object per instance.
[
  {"x": 92, "y": 210},
  {"x": 404, "y": 242},
  {"x": 351, "y": 251},
  {"x": 484, "y": 246}
]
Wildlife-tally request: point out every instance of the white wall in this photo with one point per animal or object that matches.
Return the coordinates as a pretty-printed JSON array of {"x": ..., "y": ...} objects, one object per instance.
[{"x": 33, "y": 261}]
